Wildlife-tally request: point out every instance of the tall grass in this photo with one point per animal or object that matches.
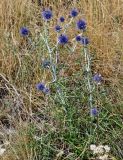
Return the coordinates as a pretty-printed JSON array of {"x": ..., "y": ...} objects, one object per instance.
[{"x": 57, "y": 127}]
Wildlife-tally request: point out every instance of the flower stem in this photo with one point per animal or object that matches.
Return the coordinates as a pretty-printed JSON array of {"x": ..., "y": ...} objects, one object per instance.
[
  {"x": 50, "y": 53},
  {"x": 88, "y": 70}
]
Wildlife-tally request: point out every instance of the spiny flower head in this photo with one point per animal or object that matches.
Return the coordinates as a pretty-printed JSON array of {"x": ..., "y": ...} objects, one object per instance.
[
  {"x": 97, "y": 78},
  {"x": 63, "y": 39},
  {"x": 62, "y": 19},
  {"x": 94, "y": 112},
  {"x": 24, "y": 31},
  {"x": 84, "y": 40},
  {"x": 58, "y": 28},
  {"x": 47, "y": 14},
  {"x": 74, "y": 12},
  {"x": 81, "y": 24},
  {"x": 40, "y": 86},
  {"x": 78, "y": 38}
]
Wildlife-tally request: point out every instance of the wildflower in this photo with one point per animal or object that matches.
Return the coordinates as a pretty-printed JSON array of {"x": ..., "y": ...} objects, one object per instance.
[
  {"x": 97, "y": 78},
  {"x": 107, "y": 148},
  {"x": 92, "y": 147},
  {"x": 99, "y": 150},
  {"x": 61, "y": 19},
  {"x": 40, "y": 86},
  {"x": 74, "y": 12},
  {"x": 94, "y": 112},
  {"x": 58, "y": 28},
  {"x": 63, "y": 39},
  {"x": 47, "y": 14},
  {"x": 84, "y": 40},
  {"x": 78, "y": 38},
  {"x": 81, "y": 24},
  {"x": 24, "y": 31}
]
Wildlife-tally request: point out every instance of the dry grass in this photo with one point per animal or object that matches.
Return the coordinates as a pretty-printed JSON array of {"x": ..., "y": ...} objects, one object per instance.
[{"x": 105, "y": 30}]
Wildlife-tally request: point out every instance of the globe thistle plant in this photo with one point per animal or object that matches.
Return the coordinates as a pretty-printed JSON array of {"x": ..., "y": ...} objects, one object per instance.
[
  {"x": 54, "y": 39},
  {"x": 63, "y": 39}
]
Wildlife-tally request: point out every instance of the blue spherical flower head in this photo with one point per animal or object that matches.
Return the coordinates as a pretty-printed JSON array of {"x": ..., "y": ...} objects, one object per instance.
[
  {"x": 47, "y": 14},
  {"x": 85, "y": 40},
  {"x": 97, "y": 78},
  {"x": 62, "y": 19},
  {"x": 63, "y": 39},
  {"x": 94, "y": 112},
  {"x": 78, "y": 38},
  {"x": 58, "y": 28},
  {"x": 24, "y": 31},
  {"x": 74, "y": 12},
  {"x": 81, "y": 24},
  {"x": 40, "y": 86}
]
